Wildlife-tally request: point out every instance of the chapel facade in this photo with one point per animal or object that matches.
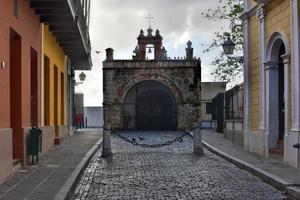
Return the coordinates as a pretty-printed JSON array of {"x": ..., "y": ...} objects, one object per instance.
[{"x": 157, "y": 93}]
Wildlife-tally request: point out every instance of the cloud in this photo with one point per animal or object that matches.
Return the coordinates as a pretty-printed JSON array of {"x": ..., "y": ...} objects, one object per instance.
[{"x": 116, "y": 24}]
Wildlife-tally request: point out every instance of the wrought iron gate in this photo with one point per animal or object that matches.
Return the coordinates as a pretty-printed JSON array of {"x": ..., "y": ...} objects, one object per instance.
[
  {"x": 152, "y": 107},
  {"x": 149, "y": 116}
]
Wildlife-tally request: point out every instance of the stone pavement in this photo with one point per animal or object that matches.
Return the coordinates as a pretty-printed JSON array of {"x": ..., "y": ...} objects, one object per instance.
[
  {"x": 44, "y": 180},
  {"x": 273, "y": 171},
  {"x": 170, "y": 172}
]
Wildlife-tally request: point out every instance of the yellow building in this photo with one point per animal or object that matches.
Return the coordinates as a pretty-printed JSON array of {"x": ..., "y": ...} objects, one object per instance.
[
  {"x": 54, "y": 88},
  {"x": 66, "y": 47},
  {"x": 271, "y": 45}
]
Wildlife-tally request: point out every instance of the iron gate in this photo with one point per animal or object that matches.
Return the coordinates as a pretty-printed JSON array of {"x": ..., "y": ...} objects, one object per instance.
[
  {"x": 149, "y": 106},
  {"x": 149, "y": 116}
]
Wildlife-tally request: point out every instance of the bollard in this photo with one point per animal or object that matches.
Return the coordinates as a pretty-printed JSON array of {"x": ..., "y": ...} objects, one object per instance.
[
  {"x": 106, "y": 144},
  {"x": 198, "y": 147}
]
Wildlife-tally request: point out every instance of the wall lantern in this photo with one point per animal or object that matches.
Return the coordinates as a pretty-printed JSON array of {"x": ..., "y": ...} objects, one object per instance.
[
  {"x": 82, "y": 76},
  {"x": 228, "y": 46}
]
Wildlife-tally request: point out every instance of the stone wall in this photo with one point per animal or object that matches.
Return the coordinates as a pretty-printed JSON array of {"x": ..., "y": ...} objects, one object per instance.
[{"x": 182, "y": 77}]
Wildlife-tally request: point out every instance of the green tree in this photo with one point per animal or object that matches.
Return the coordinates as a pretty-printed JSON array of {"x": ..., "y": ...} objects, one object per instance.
[{"x": 227, "y": 68}]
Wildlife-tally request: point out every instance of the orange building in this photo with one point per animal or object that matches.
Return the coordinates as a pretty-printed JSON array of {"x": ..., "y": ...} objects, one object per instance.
[
  {"x": 20, "y": 39},
  {"x": 32, "y": 32}
]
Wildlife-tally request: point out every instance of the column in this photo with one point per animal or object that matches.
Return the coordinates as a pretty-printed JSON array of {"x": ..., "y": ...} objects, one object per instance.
[
  {"x": 295, "y": 130},
  {"x": 286, "y": 62},
  {"x": 295, "y": 67},
  {"x": 247, "y": 94},
  {"x": 262, "y": 98},
  {"x": 272, "y": 111}
]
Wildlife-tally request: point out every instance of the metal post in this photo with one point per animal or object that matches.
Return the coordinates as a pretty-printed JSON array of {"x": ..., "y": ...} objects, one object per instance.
[
  {"x": 106, "y": 144},
  {"x": 198, "y": 147}
]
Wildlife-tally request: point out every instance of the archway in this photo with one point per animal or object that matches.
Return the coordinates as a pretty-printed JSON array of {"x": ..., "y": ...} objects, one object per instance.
[
  {"x": 149, "y": 105},
  {"x": 277, "y": 95}
]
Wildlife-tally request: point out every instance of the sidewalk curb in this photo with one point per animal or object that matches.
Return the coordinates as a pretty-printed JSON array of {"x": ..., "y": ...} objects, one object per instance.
[
  {"x": 64, "y": 191},
  {"x": 269, "y": 178}
]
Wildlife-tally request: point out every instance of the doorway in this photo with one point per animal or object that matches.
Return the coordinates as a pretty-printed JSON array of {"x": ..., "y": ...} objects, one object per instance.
[
  {"x": 150, "y": 106},
  {"x": 15, "y": 45},
  {"x": 34, "y": 87},
  {"x": 46, "y": 91},
  {"x": 62, "y": 98},
  {"x": 56, "y": 100},
  {"x": 277, "y": 102}
]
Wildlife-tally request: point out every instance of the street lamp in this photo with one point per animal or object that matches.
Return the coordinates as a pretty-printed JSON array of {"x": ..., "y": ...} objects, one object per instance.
[
  {"x": 228, "y": 46},
  {"x": 82, "y": 77}
]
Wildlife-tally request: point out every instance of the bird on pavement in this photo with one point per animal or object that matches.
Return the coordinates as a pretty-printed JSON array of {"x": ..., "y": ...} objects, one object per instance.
[
  {"x": 141, "y": 138},
  {"x": 133, "y": 139}
]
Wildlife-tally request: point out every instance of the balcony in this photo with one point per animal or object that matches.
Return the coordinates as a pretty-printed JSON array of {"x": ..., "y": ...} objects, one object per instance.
[{"x": 68, "y": 20}]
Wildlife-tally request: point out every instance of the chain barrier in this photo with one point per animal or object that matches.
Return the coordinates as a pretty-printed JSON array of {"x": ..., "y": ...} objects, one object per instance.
[{"x": 167, "y": 143}]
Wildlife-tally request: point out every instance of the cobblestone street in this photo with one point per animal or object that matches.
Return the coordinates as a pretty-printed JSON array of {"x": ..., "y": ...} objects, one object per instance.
[{"x": 170, "y": 172}]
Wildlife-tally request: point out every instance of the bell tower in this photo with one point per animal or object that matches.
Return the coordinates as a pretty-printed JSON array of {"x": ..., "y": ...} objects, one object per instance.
[{"x": 156, "y": 40}]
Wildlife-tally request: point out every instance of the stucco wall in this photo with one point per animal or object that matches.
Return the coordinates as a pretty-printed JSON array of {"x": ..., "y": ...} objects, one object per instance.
[
  {"x": 94, "y": 116},
  {"x": 208, "y": 91},
  {"x": 57, "y": 58},
  {"x": 27, "y": 25},
  {"x": 5, "y": 153},
  {"x": 277, "y": 19},
  {"x": 254, "y": 71}
]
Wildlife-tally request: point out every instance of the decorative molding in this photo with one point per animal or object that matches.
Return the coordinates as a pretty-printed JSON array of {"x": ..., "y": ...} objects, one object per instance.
[
  {"x": 250, "y": 12},
  {"x": 286, "y": 58},
  {"x": 271, "y": 67},
  {"x": 263, "y": 1},
  {"x": 260, "y": 12}
]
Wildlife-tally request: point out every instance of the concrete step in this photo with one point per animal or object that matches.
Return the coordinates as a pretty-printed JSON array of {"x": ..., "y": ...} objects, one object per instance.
[{"x": 16, "y": 165}]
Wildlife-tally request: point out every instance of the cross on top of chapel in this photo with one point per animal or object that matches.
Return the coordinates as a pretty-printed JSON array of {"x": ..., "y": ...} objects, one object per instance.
[{"x": 149, "y": 18}]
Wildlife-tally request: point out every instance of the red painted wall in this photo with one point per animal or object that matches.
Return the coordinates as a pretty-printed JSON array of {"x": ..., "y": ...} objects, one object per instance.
[{"x": 28, "y": 26}]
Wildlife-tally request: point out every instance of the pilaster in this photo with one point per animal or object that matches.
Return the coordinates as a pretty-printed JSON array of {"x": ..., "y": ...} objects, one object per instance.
[
  {"x": 271, "y": 70},
  {"x": 286, "y": 62},
  {"x": 247, "y": 97},
  {"x": 295, "y": 66},
  {"x": 262, "y": 92}
]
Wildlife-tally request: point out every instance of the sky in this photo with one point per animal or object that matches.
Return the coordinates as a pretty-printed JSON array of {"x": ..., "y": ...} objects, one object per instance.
[{"x": 117, "y": 23}]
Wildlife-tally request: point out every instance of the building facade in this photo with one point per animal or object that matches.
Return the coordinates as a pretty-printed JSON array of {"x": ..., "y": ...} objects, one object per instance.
[
  {"x": 234, "y": 114},
  {"x": 35, "y": 34},
  {"x": 54, "y": 89},
  {"x": 271, "y": 38},
  {"x": 208, "y": 91},
  {"x": 151, "y": 92},
  {"x": 21, "y": 43},
  {"x": 93, "y": 116}
]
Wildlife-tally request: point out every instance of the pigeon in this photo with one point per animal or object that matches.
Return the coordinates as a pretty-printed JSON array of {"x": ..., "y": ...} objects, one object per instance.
[
  {"x": 133, "y": 139},
  {"x": 141, "y": 138}
]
